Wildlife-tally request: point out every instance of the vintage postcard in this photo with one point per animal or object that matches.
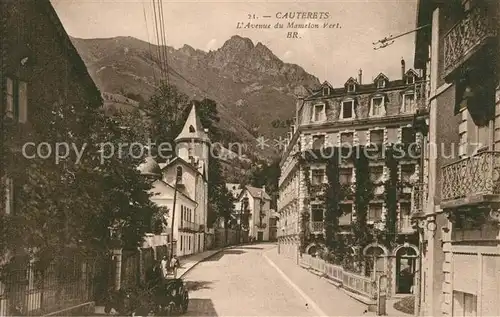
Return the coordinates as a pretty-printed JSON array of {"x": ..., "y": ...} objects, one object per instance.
[{"x": 250, "y": 158}]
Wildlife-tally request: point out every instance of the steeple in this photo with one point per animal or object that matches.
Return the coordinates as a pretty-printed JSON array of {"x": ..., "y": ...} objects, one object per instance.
[{"x": 193, "y": 130}]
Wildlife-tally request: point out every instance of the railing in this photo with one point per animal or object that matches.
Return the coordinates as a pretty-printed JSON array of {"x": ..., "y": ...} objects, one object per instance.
[
  {"x": 189, "y": 226},
  {"x": 351, "y": 281},
  {"x": 466, "y": 37},
  {"x": 316, "y": 226},
  {"x": 417, "y": 198},
  {"x": 476, "y": 175},
  {"x": 33, "y": 289}
]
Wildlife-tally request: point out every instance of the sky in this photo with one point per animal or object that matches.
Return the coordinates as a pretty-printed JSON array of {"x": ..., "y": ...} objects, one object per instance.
[{"x": 332, "y": 54}]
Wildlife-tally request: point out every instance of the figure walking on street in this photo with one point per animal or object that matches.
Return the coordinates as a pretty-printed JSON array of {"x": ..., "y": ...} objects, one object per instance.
[
  {"x": 164, "y": 267},
  {"x": 174, "y": 265}
]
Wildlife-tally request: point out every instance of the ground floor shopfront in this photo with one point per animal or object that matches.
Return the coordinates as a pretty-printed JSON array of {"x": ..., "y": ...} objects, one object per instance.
[{"x": 461, "y": 265}]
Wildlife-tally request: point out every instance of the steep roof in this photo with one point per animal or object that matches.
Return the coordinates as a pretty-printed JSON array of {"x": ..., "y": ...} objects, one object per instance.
[
  {"x": 192, "y": 130},
  {"x": 256, "y": 192},
  {"x": 185, "y": 163}
]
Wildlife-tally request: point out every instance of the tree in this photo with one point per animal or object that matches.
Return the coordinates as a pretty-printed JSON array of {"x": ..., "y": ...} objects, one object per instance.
[
  {"x": 166, "y": 111},
  {"x": 267, "y": 174},
  {"x": 69, "y": 202}
]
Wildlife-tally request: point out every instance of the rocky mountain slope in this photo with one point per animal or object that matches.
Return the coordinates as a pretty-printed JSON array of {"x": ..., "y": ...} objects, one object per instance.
[{"x": 252, "y": 86}]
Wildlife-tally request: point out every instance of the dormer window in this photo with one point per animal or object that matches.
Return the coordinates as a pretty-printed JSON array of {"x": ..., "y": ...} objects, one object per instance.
[
  {"x": 191, "y": 129},
  {"x": 347, "y": 110},
  {"x": 381, "y": 84},
  {"x": 318, "y": 113},
  {"x": 351, "y": 88},
  {"x": 326, "y": 91},
  {"x": 377, "y": 107},
  {"x": 410, "y": 80}
]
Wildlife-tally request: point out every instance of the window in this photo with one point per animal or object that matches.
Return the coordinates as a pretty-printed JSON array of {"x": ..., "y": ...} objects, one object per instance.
[
  {"x": 191, "y": 129},
  {"x": 407, "y": 171},
  {"x": 346, "y": 139},
  {"x": 375, "y": 213},
  {"x": 318, "y": 113},
  {"x": 17, "y": 100},
  {"x": 404, "y": 210},
  {"x": 182, "y": 239},
  {"x": 377, "y": 137},
  {"x": 318, "y": 142},
  {"x": 381, "y": 83},
  {"x": 347, "y": 111},
  {"x": 345, "y": 176},
  {"x": 377, "y": 108},
  {"x": 408, "y": 135},
  {"x": 410, "y": 80},
  {"x": 351, "y": 88},
  {"x": 408, "y": 103},
  {"x": 326, "y": 91},
  {"x": 316, "y": 212},
  {"x": 318, "y": 176},
  {"x": 376, "y": 173},
  {"x": 346, "y": 217}
]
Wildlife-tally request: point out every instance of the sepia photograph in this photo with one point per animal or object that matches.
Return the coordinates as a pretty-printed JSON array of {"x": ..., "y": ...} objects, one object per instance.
[{"x": 250, "y": 158}]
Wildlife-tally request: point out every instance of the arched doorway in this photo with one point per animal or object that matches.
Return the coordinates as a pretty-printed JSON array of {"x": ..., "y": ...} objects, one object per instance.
[
  {"x": 375, "y": 257},
  {"x": 406, "y": 259}
]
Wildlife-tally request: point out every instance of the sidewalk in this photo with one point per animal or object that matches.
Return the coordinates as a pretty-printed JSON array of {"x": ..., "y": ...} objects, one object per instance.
[
  {"x": 331, "y": 300},
  {"x": 186, "y": 262},
  {"x": 326, "y": 295}
]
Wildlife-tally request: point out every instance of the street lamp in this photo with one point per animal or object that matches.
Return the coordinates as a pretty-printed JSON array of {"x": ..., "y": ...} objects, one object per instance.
[{"x": 178, "y": 178}]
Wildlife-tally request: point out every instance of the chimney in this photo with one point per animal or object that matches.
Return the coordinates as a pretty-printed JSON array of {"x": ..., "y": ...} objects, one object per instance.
[
  {"x": 264, "y": 188},
  {"x": 360, "y": 76},
  {"x": 403, "y": 68}
]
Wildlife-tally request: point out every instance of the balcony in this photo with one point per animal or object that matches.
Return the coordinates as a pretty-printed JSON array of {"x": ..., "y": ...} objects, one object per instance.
[
  {"x": 471, "y": 181},
  {"x": 466, "y": 38},
  {"x": 189, "y": 226},
  {"x": 316, "y": 227},
  {"x": 417, "y": 199}
]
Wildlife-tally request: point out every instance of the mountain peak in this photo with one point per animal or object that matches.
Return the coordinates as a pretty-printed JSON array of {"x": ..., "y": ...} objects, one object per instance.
[{"x": 238, "y": 42}]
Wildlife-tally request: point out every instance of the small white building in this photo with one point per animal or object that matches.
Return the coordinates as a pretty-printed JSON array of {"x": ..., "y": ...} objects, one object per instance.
[
  {"x": 189, "y": 221},
  {"x": 259, "y": 206}
]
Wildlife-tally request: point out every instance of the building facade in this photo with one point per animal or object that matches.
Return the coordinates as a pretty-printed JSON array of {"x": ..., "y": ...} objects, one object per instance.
[
  {"x": 459, "y": 224},
  {"x": 257, "y": 204},
  {"x": 183, "y": 181},
  {"x": 380, "y": 114}
]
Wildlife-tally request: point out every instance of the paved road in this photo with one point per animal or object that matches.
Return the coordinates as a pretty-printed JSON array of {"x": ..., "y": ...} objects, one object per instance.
[{"x": 242, "y": 282}]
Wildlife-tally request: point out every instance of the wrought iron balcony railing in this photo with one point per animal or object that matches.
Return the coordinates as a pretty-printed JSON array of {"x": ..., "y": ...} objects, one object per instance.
[
  {"x": 316, "y": 226},
  {"x": 467, "y": 37},
  {"x": 417, "y": 198},
  {"x": 189, "y": 226},
  {"x": 470, "y": 179}
]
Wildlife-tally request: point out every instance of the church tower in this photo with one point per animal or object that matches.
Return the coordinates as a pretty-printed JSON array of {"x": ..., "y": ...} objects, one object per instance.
[{"x": 193, "y": 143}]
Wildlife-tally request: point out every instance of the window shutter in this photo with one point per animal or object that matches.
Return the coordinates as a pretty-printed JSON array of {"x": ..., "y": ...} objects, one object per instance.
[
  {"x": 23, "y": 102},
  {"x": 469, "y": 263}
]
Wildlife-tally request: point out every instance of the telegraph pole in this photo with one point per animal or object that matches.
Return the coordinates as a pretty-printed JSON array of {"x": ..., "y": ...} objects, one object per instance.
[{"x": 177, "y": 179}]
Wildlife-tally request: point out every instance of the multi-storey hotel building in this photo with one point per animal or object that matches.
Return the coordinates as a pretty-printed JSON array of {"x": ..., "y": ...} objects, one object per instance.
[{"x": 359, "y": 114}]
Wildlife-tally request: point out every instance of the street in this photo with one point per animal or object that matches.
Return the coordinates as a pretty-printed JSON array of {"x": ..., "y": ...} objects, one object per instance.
[{"x": 242, "y": 282}]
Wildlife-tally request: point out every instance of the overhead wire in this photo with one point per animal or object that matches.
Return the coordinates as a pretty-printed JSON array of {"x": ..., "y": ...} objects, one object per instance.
[
  {"x": 164, "y": 40},
  {"x": 150, "y": 46},
  {"x": 160, "y": 60}
]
